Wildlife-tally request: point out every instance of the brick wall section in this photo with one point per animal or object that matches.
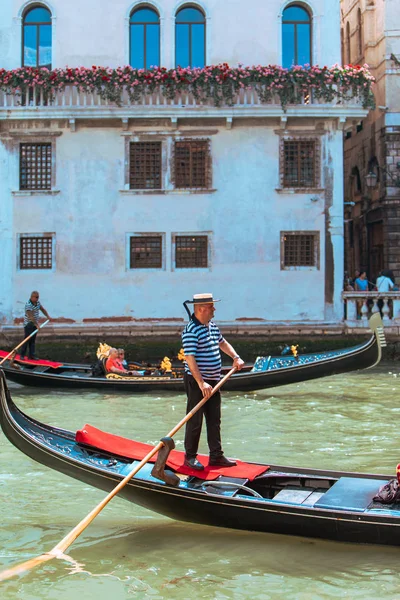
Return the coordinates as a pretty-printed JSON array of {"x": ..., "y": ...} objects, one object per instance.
[
  {"x": 392, "y": 200},
  {"x": 393, "y": 239}
]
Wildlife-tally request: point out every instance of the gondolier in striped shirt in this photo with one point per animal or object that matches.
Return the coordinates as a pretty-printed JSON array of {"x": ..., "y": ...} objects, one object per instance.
[
  {"x": 31, "y": 322},
  {"x": 202, "y": 342}
]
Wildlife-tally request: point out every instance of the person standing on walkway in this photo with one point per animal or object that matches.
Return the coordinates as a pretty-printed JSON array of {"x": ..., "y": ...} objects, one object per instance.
[
  {"x": 361, "y": 283},
  {"x": 202, "y": 342},
  {"x": 384, "y": 282},
  {"x": 31, "y": 323}
]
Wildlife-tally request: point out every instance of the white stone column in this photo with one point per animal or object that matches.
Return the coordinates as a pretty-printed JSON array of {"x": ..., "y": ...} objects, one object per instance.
[
  {"x": 396, "y": 309},
  {"x": 333, "y": 183}
]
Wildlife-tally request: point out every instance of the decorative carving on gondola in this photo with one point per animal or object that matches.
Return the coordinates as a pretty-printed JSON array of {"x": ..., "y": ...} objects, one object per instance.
[
  {"x": 103, "y": 351},
  {"x": 294, "y": 350},
  {"x": 49, "y": 441},
  {"x": 166, "y": 365},
  {"x": 268, "y": 363}
]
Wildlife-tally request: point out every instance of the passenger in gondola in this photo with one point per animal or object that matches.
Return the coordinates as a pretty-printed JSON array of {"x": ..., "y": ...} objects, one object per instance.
[
  {"x": 122, "y": 359},
  {"x": 114, "y": 364}
]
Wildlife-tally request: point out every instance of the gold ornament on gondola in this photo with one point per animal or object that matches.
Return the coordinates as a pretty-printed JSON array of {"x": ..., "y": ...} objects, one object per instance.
[
  {"x": 181, "y": 354},
  {"x": 166, "y": 365},
  {"x": 294, "y": 350},
  {"x": 103, "y": 351}
]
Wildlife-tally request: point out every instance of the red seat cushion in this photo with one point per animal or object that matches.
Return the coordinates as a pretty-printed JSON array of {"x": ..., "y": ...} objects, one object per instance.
[{"x": 121, "y": 446}]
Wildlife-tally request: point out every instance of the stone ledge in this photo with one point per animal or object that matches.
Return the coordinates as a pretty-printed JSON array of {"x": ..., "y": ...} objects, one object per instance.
[
  {"x": 35, "y": 192},
  {"x": 177, "y": 192},
  {"x": 153, "y": 328}
]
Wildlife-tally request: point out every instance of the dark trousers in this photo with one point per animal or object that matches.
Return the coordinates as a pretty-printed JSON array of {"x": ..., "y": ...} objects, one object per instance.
[
  {"x": 212, "y": 412},
  {"x": 28, "y": 329}
]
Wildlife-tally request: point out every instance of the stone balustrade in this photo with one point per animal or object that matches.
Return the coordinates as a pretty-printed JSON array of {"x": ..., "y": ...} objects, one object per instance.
[
  {"x": 71, "y": 98},
  {"x": 359, "y": 306}
]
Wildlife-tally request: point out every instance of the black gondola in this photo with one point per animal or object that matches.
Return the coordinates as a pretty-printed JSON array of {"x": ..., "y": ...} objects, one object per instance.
[
  {"x": 305, "y": 502},
  {"x": 265, "y": 373}
]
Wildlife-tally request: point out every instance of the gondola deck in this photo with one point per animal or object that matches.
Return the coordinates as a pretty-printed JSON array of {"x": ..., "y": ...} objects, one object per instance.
[
  {"x": 265, "y": 373},
  {"x": 333, "y": 505}
]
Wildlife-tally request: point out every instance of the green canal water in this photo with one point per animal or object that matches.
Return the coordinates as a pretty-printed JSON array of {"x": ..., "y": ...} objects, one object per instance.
[{"x": 347, "y": 422}]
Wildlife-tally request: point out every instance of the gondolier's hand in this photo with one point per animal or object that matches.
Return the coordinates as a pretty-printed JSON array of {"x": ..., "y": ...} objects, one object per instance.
[
  {"x": 238, "y": 362},
  {"x": 206, "y": 389}
]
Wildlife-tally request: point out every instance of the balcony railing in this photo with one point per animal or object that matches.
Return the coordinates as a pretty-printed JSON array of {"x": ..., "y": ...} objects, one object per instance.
[
  {"x": 73, "y": 99},
  {"x": 360, "y": 305}
]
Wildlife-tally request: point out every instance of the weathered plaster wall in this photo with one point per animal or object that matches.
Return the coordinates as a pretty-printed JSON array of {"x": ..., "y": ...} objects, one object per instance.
[
  {"x": 7, "y": 266},
  {"x": 92, "y": 217}
]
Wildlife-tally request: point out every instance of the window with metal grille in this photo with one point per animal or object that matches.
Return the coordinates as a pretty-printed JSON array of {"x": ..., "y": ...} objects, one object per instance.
[
  {"x": 36, "y": 252},
  {"x": 146, "y": 252},
  {"x": 299, "y": 163},
  {"x": 300, "y": 250},
  {"x": 191, "y": 251},
  {"x": 145, "y": 166},
  {"x": 191, "y": 164},
  {"x": 35, "y": 166}
]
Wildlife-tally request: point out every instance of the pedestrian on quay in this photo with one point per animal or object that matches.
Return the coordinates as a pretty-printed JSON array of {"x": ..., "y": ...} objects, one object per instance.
[
  {"x": 31, "y": 323},
  {"x": 385, "y": 281},
  {"x": 361, "y": 283},
  {"x": 202, "y": 342}
]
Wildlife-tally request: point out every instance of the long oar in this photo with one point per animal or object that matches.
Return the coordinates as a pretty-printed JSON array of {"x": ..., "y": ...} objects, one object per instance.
[
  {"x": 23, "y": 341},
  {"x": 59, "y": 550}
]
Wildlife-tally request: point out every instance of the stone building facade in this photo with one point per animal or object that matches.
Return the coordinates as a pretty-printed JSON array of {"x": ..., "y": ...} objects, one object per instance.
[
  {"x": 371, "y": 34},
  {"x": 118, "y": 212}
]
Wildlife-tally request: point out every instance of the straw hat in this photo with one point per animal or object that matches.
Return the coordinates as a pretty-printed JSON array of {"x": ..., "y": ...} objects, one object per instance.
[{"x": 203, "y": 299}]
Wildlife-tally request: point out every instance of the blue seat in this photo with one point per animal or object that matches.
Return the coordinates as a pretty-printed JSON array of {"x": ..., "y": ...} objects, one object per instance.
[{"x": 350, "y": 493}]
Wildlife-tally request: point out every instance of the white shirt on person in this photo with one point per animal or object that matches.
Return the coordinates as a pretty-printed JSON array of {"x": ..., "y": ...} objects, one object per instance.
[
  {"x": 34, "y": 308},
  {"x": 384, "y": 284}
]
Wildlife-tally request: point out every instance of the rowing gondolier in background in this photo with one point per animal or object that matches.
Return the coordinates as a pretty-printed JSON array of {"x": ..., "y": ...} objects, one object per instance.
[
  {"x": 31, "y": 322},
  {"x": 202, "y": 342}
]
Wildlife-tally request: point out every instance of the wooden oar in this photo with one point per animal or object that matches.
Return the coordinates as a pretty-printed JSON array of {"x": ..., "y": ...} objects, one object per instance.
[
  {"x": 23, "y": 341},
  {"x": 59, "y": 550}
]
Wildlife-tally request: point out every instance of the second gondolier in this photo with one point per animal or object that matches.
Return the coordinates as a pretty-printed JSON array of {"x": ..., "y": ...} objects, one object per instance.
[{"x": 31, "y": 323}]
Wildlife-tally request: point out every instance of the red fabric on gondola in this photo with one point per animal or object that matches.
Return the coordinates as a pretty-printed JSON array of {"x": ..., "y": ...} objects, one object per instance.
[
  {"x": 137, "y": 451},
  {"x": 37, "y": 363}
]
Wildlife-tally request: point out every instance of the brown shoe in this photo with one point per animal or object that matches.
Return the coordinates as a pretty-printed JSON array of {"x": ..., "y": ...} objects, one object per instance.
[{"x": 221, "y": 461}]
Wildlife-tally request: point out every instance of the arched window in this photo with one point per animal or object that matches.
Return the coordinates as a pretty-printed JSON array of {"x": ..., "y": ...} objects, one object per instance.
[
  {"x": 348, "y": 49},
  {"x": 36, "y": 38},
  {"x": 190, "y": 38},
  {"x": 359, "y": 31},
  {"x": 296, "y": 36},
  {"x": 144, "y": 38}
]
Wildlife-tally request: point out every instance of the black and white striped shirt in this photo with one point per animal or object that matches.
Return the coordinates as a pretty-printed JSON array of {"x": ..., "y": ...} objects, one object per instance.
[
  {"x": 202, "y": 342},
  {"x": 35, "y": 308}
]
